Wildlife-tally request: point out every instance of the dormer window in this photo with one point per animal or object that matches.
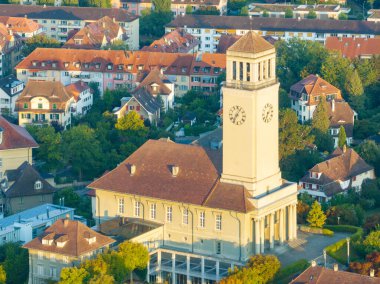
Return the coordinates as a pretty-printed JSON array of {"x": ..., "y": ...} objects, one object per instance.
[
  {"x": 86, "y": 65},
  {"x": 47, "y": 242},
  {"x": 120, "y": 67},
  {"x": 109, "y": 66},
  {"x": 54, "y": 64},
  {"x": 34, "y": 63},
  {"x": 97, "y": 65},
  {"x": 77, "y": 65},
  {"x": 140, "y": 67},
  {"x": 66, "y": 64},
  {"x": 43, "y": 64},
  {"x": 38, "y": 185},
  {"x": 129, "y": 67},
  {"x": 90, "y": 238}
]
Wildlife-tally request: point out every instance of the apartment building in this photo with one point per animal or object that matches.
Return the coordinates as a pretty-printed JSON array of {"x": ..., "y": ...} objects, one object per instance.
[
  {"x": 98, "y": 35},
  {"x": 10, "y": 90},
  {"x": 82, "y": 95},
  {"x": 10, "y": 50},
  {"x": 28, "y": 224},
  {"x": 110, "y": 69},
  {"x": 21, "y": 26},
  {"x": 16, "y": 146},
  {"x": 323, "y": 12},
  {"x": 208, "y": 29},
  {"x": 362, "y": 48},
  {"x": 64, "y": 244},
  {"x": 344, "y": 170},
  {"x": 58, "y": 22},
  {"x": 178, "y": 7}
]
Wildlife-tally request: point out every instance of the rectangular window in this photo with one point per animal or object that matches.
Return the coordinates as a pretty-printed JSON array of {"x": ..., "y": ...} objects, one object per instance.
[
  {"x": 202, "y": 219},
  {"x": 241, "y": 71},
  {"x": 248, "y": 72},
  {"x": 54, "y": 106},
  {"x": 259, "y": 74},
  {"x": 121, "y": 206},
  {"x": 218, "y": 248},
  {"x": 25, "y": 105},
  {"x": 185, "y": 216},
  {"x": 137, "y": 209},
  {"x": 153, "y": 211},
  {"x": 53, "y": 272},
  {"x": 40, "y": 269},
  {"x": 234, "y": 70},
  {"x": 137, "y": 108},
  {"x": 40, "y": 255},
  {"x": 40, "y": 106},
  {"x": 218, "y": 222},
  {"x": 169, "y": 214}
]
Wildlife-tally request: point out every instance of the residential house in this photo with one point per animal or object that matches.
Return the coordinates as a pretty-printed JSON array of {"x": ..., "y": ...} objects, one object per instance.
[
  {"x": 178, "y": 7},
  {"x": 341, "y": 114},
  {"x": 57, "y": 22},
  {"x": 208, "y": 29},
  {"x": 159, "y": 86},
  {"x": 320, "y": 274},
  {"x": 374, "y": 15},
  {"x": 64, "y": 244},
  {"x": 24, "y": 27},
  {"x": 83, "y": 97},
  {"x": 306, "y": 94},
  {"x": 343, "y": 171},
  {"x": 111, "y": 69},
  {"x": 10, "y": 50},
  {"x": 177, "y": 41},
  {"x": 10, "y": 90},
  {"x": 362, "y": 48},
  {"x": 24, "y": 226},
  {"x": 97, "y": 35},
  {"x": 24, "y": 188},
  {"x": 143, "y": 103},
  {"x": 211, "y": 220},
  {"x": 322, "y": 11},
  {"x": 44, "y": 102},
  {"x": 16, "y": 146}
]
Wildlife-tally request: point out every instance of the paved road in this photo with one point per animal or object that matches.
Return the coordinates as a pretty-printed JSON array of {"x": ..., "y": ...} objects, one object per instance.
[{"x": 307, "y": 246}]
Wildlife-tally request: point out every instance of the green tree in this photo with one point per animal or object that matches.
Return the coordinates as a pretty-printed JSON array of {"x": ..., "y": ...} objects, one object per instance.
[
  {"x": 342, "y": 137},
  {"x": 288, "y": 13},
  {"x": 265, "y": 14},
  {"x": 15, "y": 262},
  {"x": 336, "y": 69},
  {"x": 368, "y": 70},
  {"x": 316, "y": 217},
  {"x": 293, "y": 136},
  {"x": 82, "y": 151},
  {"x": 189, "y": 10},
  {"x": 372, "y": 242},
  {"x": 244, "y": 11},
  {"x": 354, "y": 85},
  {"x": 321, "y": 117},
  {"x": 49, "y": 149},
  {"x": 130, "y": 122},
  {"x": 134, "y": 255},
  {"x": 162, "y": 6},
  {"x": 323, "y": 141},
  {"x": 311, "y": 15},
  {"x": 39, "y": 41},
  {"x": 118, "y": 45},
  {"x": 370, "y": 152},
  {"x": 343, "y": 16},
  {"x": 3, "y": 275},
  {"x": 259, "y": 269},
  {"x": 73, "y": 275}
]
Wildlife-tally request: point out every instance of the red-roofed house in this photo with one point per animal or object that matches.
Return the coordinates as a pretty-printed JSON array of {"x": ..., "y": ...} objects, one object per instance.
[
  {"x": 83, "y": 98},
  {"x": 362, "y": 48}
]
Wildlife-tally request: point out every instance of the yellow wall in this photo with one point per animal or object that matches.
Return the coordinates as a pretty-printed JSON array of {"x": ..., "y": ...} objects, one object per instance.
[{"x": 12, "y": 159}]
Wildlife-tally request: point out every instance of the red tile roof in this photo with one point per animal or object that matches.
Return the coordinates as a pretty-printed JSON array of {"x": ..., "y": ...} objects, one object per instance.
[
  {"x": 15, "y": 136},
  {"x": 354, "y": 47},
  {"x": 20, "y": 24}
]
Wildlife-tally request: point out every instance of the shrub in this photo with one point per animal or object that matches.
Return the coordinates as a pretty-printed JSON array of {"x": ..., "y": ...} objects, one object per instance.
[{"x": 327, "y": 232}]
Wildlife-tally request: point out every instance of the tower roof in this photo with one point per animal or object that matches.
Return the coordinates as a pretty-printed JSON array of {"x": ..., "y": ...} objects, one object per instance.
[{"x": 251, "y": 42}]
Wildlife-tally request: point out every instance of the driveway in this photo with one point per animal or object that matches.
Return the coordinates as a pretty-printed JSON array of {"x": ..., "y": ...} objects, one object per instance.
[{"x": 307, "y": 246}]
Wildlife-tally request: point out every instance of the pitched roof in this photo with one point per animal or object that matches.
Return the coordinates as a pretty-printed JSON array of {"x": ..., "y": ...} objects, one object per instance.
[
  {"x": 314, "y": 86},
  {"x": 15, "y": 136},
  {"x": 156, "y": 77},
  {"x": 197, "y": 181},
  {"x": 20, "y": 25},
  {"x": 65, "y": 12},
  {"x": 24, "y": 178},
  {"x": 74, "y": 233},
  {"x": 319, "y": 274},
  {"x": 75, "y": 89},
  {"x": 275, "y": 24},
  {"x": 354, "y": 47},
  {"x": 341, "y": 115},
  {"x": 8, "y": 82},
  {"x": 147, "y": 101},
  {"x": 225, "y": 41},
  {"x": 251, "y": 42},
  {"x": 341, "y": 166}
]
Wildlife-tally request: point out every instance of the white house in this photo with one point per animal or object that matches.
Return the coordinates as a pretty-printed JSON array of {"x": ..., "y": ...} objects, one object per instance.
[
  {"x": 10, "y": 90},
  {"x": 83, "y": 97}
]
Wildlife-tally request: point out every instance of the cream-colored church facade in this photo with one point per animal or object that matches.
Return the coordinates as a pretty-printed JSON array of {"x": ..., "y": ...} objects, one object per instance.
[{"x": 242, "y": 210}]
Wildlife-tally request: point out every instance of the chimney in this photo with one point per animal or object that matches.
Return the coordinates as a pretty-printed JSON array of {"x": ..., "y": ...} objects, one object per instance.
[
  {"x": 333, "y": 105},
  {"x": 132, "y": 169},
  {"x": 372, "y": 272},
  {"x": 175, "y": 170},
  {"x": 66, "y": 220},
  {"x": 313, "y": 263},
  {"x": 336, "y": 268},
  {"x": 104, "y": 24},
  {"x": 344, "y": 148}
]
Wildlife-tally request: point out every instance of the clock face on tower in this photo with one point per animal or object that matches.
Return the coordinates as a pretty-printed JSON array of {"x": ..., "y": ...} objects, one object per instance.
[
  {"x": 267, "y": 113},
  {"x": 237, "y": 115}
]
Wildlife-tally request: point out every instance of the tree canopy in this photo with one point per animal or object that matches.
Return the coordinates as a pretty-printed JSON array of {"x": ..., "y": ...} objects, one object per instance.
[
  {"x": 321, "y": 117},
  {"x": 342, "y": 137},
  {"x": 316, "y": 217},
  {"x": 39, "y": 40}
]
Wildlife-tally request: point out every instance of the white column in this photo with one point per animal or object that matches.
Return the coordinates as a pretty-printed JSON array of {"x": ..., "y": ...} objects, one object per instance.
[
  {"x": 203, "y": 269},
  {"x": 290, "y": 223},
  {"x": 273, "y": 67},
  {"x": 271, "y": 230},
  {"x": 159, "y": 272},
  {"x": 282, "y": 227},
  {"x": 255, "y": 72},
  {"x": 262, "y": 235},
  {"x": 237, "y": 71},
  {"x": 267, "y": 69},
  {"x": 261, "y": 70},
  {"x": 295, "y": 221},
  {"x": 229, "y": 70},
  {"x": 173, "y": 269},
  {"x": 245, "y": 71},
  {"x": 257, "y": 236},
  {"x": 188, "y": 281},
  {"x": 217, "y": 270}
]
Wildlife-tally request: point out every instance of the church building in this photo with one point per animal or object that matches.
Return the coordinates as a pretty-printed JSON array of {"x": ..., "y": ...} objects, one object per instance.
[{"x": 213, "y": 209}]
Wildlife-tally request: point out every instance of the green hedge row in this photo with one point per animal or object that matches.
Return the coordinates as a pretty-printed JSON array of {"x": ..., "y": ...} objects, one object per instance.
[{"x": 285, "y": 274}]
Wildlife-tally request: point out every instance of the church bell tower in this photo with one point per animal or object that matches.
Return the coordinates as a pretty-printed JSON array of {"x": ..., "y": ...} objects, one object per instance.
[{"x": 250, "y": 116}]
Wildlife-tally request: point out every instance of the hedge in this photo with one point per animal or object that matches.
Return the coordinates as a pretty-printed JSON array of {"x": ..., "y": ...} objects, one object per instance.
[
  {"x": 285, "y": 274},
  {"x": 314, "y": 230}
]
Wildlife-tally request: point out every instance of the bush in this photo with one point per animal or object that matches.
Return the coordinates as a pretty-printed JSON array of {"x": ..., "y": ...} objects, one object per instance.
[
  {"x": 327, "y": 232},
  {"x": 286, "y": 273}
]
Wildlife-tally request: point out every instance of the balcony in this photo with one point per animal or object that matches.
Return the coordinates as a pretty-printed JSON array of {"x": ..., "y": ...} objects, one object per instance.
[
  {"x": 80, "y": 76},
  {"x": 244, "y": 85}
]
